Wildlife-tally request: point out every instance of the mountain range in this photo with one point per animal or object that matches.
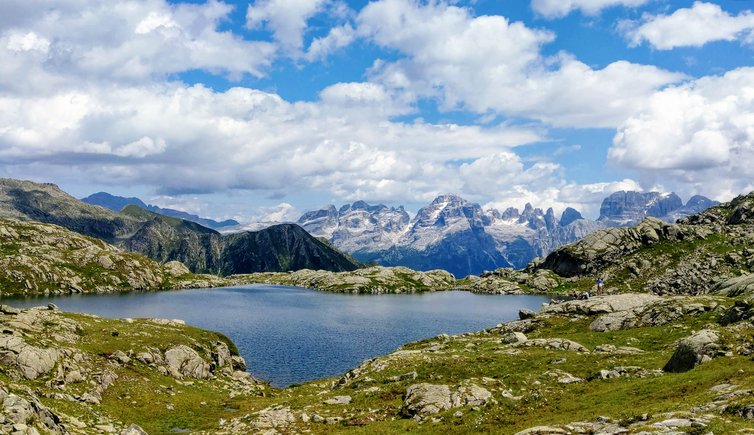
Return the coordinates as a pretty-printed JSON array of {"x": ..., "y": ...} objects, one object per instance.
[
  {"x": 117, "y": 203},
  {"x": 450, "y": 233},
  {"x": 203, "y": 250},
  {"x": 459, "y": 236}
]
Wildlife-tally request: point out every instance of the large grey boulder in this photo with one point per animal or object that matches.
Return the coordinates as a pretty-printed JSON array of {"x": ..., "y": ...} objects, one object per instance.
[
  {"x": 694, "y": 350},
  {"x": 513, "y": 337},
  {"x": 183, "y": 361},
  {"x": 426, "y": 399},
  {"x": 736, "y": 286},
  {"x": 274, "y": 418},
  {"x": 603, "y": 304},
  {"x": 31, "y": 361},
  {"x": 602, "y": 248}
]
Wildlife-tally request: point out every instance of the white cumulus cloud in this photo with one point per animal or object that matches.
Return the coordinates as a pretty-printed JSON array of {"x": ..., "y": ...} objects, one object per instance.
[
  {"x": 699, "y": 136},
  {"x": 286, "y": 19},
  {"x": 489, "y": 64},
  {"x": 690, "y": 27}
]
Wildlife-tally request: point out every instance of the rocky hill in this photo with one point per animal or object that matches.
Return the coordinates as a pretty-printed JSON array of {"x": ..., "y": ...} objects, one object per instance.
[
  {"x": 37, "y": 259},
  {"x": 702, "y": 253},
  {"x": 165, "y": 238},
  {"x": 117, "y": 203},
  {"x": 369, "y": 280}
]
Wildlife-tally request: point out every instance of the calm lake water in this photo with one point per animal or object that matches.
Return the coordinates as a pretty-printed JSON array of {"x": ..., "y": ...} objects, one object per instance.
[{"x": 292, "y": 335}]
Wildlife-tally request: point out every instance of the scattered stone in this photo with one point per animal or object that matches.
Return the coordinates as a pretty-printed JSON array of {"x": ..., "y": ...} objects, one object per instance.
[
  {"x": 339, "y": 400},
  {"x": 554, "y": 343},
  {"x": 410, "y": 376},
  {"x": 120, "y": 357}
]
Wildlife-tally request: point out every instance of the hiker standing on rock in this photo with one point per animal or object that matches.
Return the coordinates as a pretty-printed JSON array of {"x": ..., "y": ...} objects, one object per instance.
[{"x": 600, "y": 285}]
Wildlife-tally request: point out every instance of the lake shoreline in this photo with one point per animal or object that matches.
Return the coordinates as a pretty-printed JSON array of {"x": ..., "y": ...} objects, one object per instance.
[{"x": 325, "y": 333}]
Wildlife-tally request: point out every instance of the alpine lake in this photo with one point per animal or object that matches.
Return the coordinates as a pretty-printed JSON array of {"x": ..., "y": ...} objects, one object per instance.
[{"x": 290, "y": 335}]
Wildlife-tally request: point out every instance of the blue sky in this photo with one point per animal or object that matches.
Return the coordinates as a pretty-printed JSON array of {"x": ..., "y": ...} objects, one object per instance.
[{"x": 260, "y": 110}]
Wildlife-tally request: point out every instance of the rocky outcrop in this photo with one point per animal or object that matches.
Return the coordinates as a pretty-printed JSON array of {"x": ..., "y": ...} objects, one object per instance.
[
  {"x": 694, "y": 350},
  {"x": 737, "y": 286},
  {"x": 425, "y": 399},
  {"x": 603, "y": 304},
  {"x": 510, "y": 281},
  {"x": 742, "y": 309},
  {"x": 39, "y": 258},
  {"x": 602, "y": 248},
  {"x": 652, "y": 313},
  {"x": 20, "y": 415},
  {"x": 373, "y": 280},
  {"x": 31, "y": 361},
  {"x": 182, "y": 361}
]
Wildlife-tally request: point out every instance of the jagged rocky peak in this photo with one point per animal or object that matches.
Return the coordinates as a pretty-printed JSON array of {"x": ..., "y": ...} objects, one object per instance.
[
  {"x": 363, "y": 206},
  {"x": 510, "y": 213},
  {"x": 327, "y": 212},
  {"x": 550, "y": 220},
  {"x": 533, "y": 217},
  {"x": 569, "y": 215},
  {"x": 447, "y": 209}
]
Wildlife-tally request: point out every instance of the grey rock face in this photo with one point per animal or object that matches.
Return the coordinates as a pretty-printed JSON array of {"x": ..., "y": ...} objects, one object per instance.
[
  {"x": 694, "y": 350},
  {"x": 182, "y": 361},
  {"x": 16, "y": 410},
  {"x": 628, "y": 208}
]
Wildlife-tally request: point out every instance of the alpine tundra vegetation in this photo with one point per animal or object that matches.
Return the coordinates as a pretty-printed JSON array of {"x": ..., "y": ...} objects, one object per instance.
[{"x": 674, "y": 333}]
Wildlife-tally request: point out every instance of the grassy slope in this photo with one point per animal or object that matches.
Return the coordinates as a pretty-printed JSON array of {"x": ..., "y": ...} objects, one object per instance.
[{"x": 477, "y": 358}]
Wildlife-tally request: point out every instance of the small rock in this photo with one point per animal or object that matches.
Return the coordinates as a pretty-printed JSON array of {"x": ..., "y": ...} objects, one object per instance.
[{"x": 339, "y": 400}]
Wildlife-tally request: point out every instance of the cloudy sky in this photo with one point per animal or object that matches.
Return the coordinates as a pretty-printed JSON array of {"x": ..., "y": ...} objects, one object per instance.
[{"x": 262, "y": 109}]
